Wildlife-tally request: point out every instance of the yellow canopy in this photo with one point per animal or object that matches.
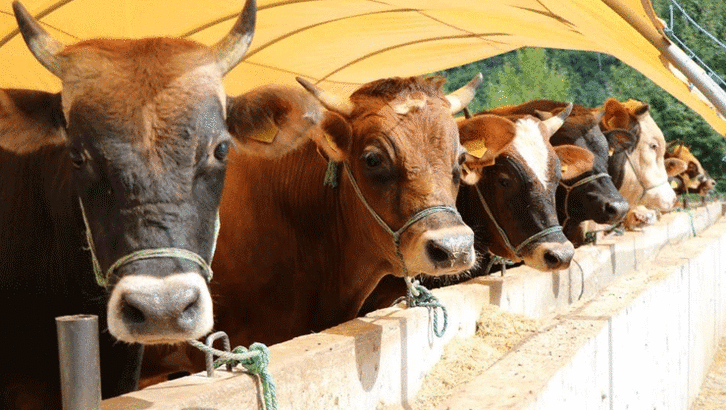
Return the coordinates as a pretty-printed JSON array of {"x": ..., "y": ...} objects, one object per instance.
[{"x": 341, "y": 44}]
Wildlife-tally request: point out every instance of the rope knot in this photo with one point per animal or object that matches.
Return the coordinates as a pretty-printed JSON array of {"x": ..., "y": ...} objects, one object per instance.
[
  {"x": 418, "y": 296},
  {"x": 258, "y": 364}
]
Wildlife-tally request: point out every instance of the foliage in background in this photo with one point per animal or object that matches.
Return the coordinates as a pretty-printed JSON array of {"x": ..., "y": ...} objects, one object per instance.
[{"x": 589, "y": 78}]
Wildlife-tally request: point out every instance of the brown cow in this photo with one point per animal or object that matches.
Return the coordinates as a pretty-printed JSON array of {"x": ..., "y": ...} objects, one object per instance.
[
  {"x": 319, "y": 251},
  {"x": 694, "y": 179},
  {"x": 138, "y": 138}
]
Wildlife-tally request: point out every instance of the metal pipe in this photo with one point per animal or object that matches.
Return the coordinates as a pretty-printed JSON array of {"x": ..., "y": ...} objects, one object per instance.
[
  {"x": 673, "y": 54},
  {"x": 80, "y": 368}
]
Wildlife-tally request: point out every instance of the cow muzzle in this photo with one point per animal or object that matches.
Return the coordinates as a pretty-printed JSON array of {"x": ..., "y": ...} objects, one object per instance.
[
  {"x": 549, "y": 256},
  {"x": 443, "y": 251},
  {"x": 613, "y": 211},
  {"x": 156, "y": 310}
]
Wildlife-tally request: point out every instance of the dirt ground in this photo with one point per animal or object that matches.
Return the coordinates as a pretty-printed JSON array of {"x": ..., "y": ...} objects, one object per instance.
[{"x": 713, "y": 390}]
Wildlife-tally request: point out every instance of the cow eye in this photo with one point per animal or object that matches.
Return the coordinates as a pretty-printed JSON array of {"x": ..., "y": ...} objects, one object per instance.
[
  {"x": 654, "y": 146},
  {"x": 76, "y": 157},
  {"x": 221, "y": 151},
  {"x": 372, "y": 159},
  {"x": 504, "y": 182}
]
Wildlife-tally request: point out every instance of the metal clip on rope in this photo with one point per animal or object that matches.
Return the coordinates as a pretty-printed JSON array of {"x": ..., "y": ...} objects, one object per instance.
[{"x": 256, "y": 359}]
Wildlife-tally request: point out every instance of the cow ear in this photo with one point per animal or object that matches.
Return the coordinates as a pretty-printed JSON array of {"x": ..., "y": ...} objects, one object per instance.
[
  {"x": 616, "y": 115},
  {"x": 272, "y": 120},
  {"x": 675, "y": 166},
  {"x": 334, "y": 137},
  {"x": 641, "y": 109},
  {"x": 484, "y": 137},
  {"x": 574, "y": 160}
]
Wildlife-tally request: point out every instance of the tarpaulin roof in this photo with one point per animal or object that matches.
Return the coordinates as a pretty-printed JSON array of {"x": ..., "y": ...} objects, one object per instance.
[{"x": 341, "y": 44}]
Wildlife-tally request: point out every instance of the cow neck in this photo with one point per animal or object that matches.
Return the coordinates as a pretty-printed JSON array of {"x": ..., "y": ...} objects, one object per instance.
[
  {"x": 569, "y": 188},
  {"x": 516, "y": 250},
  {"x": 635, "y": 133},
  {"x": 150, "y": 253}
]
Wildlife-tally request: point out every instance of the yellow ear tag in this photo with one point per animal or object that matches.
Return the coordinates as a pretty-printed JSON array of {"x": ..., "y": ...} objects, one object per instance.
[
  {"x": 331, "y": 142},
  {"x": 476, "y": 148},
  {"x": 564, "y": 168},
  {"x": 267, "y": 135},
  {"x": 674, "y": 184}
]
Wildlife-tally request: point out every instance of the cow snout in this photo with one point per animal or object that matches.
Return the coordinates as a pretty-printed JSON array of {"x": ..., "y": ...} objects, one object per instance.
[
  {"x": 614, "y": 211},
  {"x": 153, "y": 310},
  {"x": 550, "y": 256},
  {"x": 442, "y": 251}
]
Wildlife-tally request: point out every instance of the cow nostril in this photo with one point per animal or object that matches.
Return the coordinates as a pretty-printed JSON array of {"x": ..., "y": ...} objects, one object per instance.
[
  {"x": 552, "y": 259},
  {"x": 610, "y": 209},
  {"x": 131, "y": 313},
  {"x": 191, "y": 310},
  {"x": 437, "y": 253}
]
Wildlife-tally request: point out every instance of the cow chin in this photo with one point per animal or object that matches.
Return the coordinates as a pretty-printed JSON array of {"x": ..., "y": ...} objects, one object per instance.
[
  {"x": 661, "y": 198},
  {"x": 152, "y": 310},
  {"x": 549, "y": 256},
  {"x": 445, "y": 251}
]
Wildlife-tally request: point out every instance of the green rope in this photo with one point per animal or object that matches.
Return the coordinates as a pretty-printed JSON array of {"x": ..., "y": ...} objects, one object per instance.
[
  {"x": 591, "y": 236},
  {"x": 497, "y": 260},
  {"x": 332, "y": 174},
  {"x": 418, "y": 296},
  {"x": 256, "y": 359},
  {"x": 690, "y": 217}
]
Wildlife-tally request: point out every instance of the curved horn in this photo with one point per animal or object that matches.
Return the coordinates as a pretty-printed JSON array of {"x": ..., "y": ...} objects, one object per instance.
[
  {"x": 460, "y": 98},
  {"x": 554, "y": 123},
  {"x": 342, "y": 106},
  {"x": 43, "y": 46},
  {"x": 232, "y": 48}
]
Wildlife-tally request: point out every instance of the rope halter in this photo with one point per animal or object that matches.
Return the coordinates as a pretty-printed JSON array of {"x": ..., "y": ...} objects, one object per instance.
[
  {"x": 396, "y": 235},
  {"x": 152, "y": 253},
  {"x": 569, "y": 188},
  {"x": 635, "y": 133},
  {"x": 514, "y": 249}
]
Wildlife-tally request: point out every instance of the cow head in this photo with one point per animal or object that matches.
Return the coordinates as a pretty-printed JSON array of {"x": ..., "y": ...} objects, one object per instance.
[
  {"x": 399, "y": 148},
  {"x": 693, "y": 178},
  {"x": 596, "y": 198},
  {"x": 637, "y": 160},
  {"x": 147, "y": 139},
  {"x": 517, "y": 188}
]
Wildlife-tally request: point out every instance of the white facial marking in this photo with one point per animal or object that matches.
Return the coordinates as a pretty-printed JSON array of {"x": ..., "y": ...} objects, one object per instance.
[{"x": 530, "y": 144}]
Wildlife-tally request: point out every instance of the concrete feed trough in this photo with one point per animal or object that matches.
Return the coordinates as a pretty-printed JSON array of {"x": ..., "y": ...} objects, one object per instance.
[{"x": 636, "y": 322}]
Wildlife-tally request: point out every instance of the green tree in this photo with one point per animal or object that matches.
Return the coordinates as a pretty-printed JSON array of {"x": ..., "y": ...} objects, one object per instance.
[{"x": 527, "y": 76}]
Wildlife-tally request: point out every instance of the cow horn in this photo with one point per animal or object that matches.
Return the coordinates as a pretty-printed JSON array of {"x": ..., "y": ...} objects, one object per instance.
[
  {"x": 43, "y": 46},
  {"x": 342, "y": 106},
  {"x": 554, "y": 123},
  {"x": 232, "y": 48},
  {"x": 460, "y": 98}
]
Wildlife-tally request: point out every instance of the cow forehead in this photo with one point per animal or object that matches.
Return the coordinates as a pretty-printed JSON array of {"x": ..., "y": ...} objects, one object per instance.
[
  {"x": 415, "y": 122},
  {"x": 649, "y": 131},
  {"x": 530, "y": 145}
]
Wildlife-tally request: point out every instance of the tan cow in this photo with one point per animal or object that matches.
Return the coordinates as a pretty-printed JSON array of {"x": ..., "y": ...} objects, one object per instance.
[
  {"x": 637, "y": 148},
  {"x": 694, "y": 179}
]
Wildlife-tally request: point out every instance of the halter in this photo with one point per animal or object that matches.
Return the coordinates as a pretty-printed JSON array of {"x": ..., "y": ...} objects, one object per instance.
[
  {"x": 396, "y": 235},
  {"x": 513, "y": 249},
  {"x": 569, "y": 188},
  {"x": 630, "y": 161},
  {"x": 151, "y": 253}
]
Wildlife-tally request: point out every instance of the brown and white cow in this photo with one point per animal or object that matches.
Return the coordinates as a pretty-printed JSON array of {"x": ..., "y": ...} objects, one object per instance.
[
  {"x": 637, "y": 148},
  {"x": 510, "y": 201},
  {"x": 120, "y": 174},
  {"x": 694, "y": 179},
  {"x": 585, "y": 195}
]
